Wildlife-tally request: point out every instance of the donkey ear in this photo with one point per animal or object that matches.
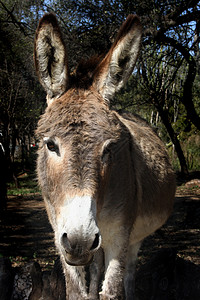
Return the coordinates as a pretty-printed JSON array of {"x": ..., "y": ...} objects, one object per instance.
[
  {"x": 115, "y": 69},
  {"x": 50, "y": 57}
]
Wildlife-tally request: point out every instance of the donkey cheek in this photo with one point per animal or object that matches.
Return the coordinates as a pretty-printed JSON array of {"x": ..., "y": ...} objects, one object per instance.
[{"x": 54, "y": 175}]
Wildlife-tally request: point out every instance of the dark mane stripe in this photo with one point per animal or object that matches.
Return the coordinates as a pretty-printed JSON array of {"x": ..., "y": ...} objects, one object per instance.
[{"x": 83, "y": 75}]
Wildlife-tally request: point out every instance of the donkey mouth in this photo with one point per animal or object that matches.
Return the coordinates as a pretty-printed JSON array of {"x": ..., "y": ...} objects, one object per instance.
[{"x": 79, "y": 261}]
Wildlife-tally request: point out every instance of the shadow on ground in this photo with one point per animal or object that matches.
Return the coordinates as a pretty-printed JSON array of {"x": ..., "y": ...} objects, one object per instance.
[
  {"x": 25, "y": 230},
  {"x": 169, "y": 260}
]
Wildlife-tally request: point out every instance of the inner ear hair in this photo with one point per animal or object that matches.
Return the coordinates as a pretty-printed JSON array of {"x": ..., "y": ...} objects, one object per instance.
[
  {"x": 51, "y": 57},
  {"x": 115, "y": 69}
]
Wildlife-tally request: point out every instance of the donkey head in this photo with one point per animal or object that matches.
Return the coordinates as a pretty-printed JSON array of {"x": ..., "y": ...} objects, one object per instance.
[{"x": 79, "y": 134}]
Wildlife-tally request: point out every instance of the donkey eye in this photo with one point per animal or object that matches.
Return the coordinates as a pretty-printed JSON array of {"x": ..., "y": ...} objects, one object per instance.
[{"x": 52, "y": 146}]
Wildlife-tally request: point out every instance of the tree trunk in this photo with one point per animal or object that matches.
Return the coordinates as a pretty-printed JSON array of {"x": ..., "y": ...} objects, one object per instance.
[
  {"x": 186, "y": 99},
  {"x": 175, "y": 141},
  {"x": 3, "y": 180},
  {"x": 158, "y": 101}
]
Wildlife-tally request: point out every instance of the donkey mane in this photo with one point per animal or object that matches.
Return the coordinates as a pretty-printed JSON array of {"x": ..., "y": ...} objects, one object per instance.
[{"x": 82, "y": 77}]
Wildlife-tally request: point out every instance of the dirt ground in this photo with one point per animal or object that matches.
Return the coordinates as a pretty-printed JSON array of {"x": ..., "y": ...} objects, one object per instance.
[
  {"x": 26, "y": 235},
  {"x": 182, "y": 230},
  {"x": 25, "y": 232}
]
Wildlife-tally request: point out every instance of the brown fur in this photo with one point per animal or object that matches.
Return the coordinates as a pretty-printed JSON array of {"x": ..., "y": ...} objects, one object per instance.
[{"x": 91, "y": 155}]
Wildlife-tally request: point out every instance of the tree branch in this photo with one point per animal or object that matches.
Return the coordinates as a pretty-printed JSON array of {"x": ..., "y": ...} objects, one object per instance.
[
  {"x": 186, "y": 99},
  {"x": 173, "y": 19},
  {"x": 13, "y": 18}
]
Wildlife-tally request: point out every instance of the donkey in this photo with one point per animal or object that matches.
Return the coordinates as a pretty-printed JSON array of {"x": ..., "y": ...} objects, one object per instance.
[{"x": 105, "y": 178}]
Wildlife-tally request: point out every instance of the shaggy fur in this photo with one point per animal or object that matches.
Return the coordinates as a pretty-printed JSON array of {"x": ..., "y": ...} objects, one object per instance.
[{"x": 106, "y": 179}]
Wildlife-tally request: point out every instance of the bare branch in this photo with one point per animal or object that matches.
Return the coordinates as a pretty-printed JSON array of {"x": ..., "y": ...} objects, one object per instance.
[{"x": 13, "y": 18}]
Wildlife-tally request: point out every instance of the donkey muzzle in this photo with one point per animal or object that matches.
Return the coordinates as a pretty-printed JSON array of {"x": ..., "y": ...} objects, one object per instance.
[
  {"x": 79, "y": 251},
  {"x": 79, "y": 235}
]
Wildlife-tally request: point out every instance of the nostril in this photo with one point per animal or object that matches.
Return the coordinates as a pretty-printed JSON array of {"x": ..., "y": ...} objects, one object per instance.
[
  {"x": 95, "y": 242},
  {"x": 65, "y": 242},
  {"x": 75, "y": 246}
]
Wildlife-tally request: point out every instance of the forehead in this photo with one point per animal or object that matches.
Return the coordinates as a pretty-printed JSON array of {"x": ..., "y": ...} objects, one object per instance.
[{"x": 79, "y": 112}]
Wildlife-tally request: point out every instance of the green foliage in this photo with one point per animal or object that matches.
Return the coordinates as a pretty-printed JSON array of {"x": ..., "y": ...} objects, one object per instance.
[
  {"x": 191, "y": 149},
  {"x": 27, "y": 185},
  {"x": 196, "y": 93}
]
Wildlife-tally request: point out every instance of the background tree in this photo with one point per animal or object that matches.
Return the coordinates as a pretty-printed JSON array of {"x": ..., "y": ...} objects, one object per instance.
[
  {"x": 20, "y": 94},
  {"x": 165, "y": 82}
]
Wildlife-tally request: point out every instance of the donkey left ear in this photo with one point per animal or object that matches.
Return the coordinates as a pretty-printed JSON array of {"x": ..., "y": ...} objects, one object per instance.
[
  {"x": 115, "y": 69},
  {"x": 51, "y": 57}
]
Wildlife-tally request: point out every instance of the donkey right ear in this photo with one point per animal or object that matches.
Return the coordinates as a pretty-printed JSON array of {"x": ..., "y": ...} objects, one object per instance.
[
  {"x": 116, "y": 67},
  {"x": 50, "y": 57}
]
